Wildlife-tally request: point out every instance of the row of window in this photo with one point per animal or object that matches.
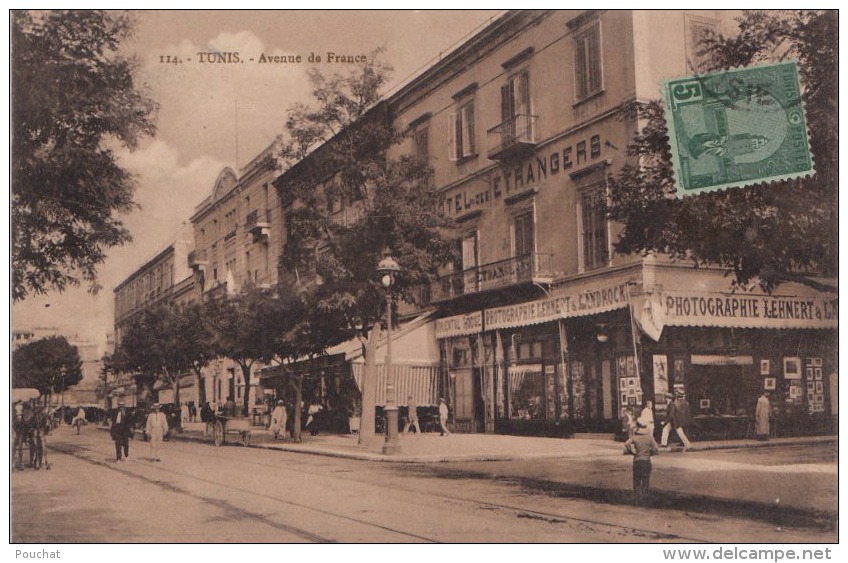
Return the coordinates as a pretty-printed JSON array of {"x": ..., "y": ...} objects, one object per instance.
[
  {"x": 592, "y": 231},
  {"x": 517, "y": 121}
]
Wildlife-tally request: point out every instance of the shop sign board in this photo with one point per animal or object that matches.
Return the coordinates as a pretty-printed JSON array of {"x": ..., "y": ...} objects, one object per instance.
[
  {"x": 681, "y": 308},
  {"x": 459, "y": 325},
  {"x": 590, "y": 302}
]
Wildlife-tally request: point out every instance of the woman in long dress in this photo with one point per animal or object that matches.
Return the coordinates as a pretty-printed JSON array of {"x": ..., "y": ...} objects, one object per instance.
[{"x": 647, "y": 415}]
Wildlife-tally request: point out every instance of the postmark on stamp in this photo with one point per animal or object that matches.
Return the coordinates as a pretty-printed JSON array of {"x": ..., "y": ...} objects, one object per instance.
[{"x": 737, "y": 128}]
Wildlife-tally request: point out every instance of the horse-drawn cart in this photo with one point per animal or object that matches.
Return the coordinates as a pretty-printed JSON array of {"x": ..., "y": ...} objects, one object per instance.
[{"x": 224, "y": 425}]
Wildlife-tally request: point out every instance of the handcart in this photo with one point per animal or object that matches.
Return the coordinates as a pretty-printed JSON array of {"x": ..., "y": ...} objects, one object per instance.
[{"x": 224, "y": 425}]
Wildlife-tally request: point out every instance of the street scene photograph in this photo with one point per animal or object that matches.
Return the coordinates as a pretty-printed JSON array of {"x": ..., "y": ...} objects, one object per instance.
[{"x": 422, "y": 277}]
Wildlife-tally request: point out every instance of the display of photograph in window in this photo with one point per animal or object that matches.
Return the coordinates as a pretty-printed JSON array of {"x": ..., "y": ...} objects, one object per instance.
[{"x": 527, "y": 392}]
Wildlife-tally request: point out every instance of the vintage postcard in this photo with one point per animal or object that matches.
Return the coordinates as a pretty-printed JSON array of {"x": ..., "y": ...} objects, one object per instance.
[{"x": 381, "y": 277}]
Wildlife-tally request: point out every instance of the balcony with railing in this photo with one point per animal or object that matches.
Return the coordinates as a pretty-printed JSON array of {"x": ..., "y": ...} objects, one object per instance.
[
  {"x": 258, "y": 224},
  {"x": 513, "y": 138},
  {"x": 527, "y": 269},
  {"x": 197, "y": 260}
]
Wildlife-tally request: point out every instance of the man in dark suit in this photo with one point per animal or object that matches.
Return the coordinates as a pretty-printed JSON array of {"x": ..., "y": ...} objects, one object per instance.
[{"x": 121, "y": 430}]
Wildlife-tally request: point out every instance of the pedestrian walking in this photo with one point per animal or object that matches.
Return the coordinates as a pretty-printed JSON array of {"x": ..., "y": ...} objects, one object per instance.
[
  {"x": 669, "y": 414},
  {"x": 761, "y": 417},
  {"x": 207, "y": 415},
  {"x": 230, "y": 407},
  {"x": 184, "y": 412},
  {"x": 678, "y": 419},
  {"x": 192, "y": 411},
  {"x": 278, "y": 420},
  {"x": 156, "y": 428},
  {"x": 312, "y": 414},
  {"x": 628, "y": 424},
  {"x": 641, "y": 446},
  {"x": 648, "y": 415},
  {"x": 120, "y": 431},
  {"x": 79, "y": 420},
  {"x": 412, "y": 416},
  {"x": 443, "y": 417}
]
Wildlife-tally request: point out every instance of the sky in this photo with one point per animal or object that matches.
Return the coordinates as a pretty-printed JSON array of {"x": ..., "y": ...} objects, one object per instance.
[{"x": 217, "y": 115}]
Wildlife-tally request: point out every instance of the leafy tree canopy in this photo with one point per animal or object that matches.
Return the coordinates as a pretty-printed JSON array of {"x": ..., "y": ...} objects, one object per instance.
[
  {"x": 768, "y": 233},
  {"x": 391, "y": 204},
  {"x": 48, "y": 364},
  {"x": 73, "y": 97}
]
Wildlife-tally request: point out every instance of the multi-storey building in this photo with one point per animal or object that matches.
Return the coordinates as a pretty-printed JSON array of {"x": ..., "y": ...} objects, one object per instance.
[
  {"x": 540, "y": 327},
  {"x": 523, "y": 124},
  {"x": 164, "y": 279},
  {"x": 238, "y": 239}
]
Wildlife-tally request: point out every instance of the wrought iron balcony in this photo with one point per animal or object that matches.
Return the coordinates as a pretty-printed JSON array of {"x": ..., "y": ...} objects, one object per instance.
[
  {"x": 512, "y": 138},
  {"x": 258, "y": 225},
  {"x": 529, "y": 268}
]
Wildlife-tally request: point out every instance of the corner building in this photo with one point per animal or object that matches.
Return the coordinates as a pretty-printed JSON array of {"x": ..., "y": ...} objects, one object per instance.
[{"x": 542, "y": 328}]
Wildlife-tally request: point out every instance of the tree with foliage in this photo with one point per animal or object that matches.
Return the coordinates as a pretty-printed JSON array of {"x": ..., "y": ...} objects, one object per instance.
[
  {"x": 765, "y": 234},
  {"x": 196, "y": 343},
  {"x": 152, "y": 348},
  {"x": 49, "y": 364},
  {"x": 304, "y": 333},
  {"x": 73, "y": 97},
  {"x": 243, "y": 328},
  {"x": 347, "y": 138}
]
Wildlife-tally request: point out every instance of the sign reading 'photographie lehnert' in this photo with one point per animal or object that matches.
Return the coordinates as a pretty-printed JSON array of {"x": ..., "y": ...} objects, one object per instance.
[
  {"x": 765, "y": 311},
  {"x": 737, "y": 128}
]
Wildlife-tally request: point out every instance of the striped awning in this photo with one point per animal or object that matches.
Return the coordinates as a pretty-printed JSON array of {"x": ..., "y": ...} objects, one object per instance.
[{"x": 420, "y": 381}]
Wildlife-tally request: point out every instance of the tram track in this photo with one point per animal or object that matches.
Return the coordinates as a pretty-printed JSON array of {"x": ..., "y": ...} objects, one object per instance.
[{"x": 308, "y": 469}]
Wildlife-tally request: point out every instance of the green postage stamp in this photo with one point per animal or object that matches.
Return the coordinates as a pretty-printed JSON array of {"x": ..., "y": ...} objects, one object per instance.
[{"x": 736, "y": 128}]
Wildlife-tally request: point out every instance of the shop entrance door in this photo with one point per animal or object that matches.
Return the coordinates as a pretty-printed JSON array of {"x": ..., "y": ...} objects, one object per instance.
[
  {"x": 464, "y": 401},
  {"x": 478, "y": 415}
]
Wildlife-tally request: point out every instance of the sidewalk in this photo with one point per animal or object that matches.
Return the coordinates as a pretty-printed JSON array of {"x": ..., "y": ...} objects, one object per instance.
[
  {"x": 433, "y": 448},
  {"x": 593, "y": 467}
]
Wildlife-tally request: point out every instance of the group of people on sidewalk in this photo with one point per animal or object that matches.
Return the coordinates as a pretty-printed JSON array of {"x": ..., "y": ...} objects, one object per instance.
[
  {"x": 641, "y": 442},
  {"x": 412, "y": 417}
]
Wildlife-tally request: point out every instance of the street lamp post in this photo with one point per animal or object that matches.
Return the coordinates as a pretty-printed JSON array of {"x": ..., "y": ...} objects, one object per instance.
[
  {"x": 63, "y": 371},
  {"x": 388, "y": 268}
]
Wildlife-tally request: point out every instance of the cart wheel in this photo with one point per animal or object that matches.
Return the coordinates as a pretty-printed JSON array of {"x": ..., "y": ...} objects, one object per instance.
[{"x": 219, "y": 433}]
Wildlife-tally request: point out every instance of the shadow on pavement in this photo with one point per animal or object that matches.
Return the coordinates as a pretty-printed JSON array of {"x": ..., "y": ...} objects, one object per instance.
[{"x": 773, "y": 514}]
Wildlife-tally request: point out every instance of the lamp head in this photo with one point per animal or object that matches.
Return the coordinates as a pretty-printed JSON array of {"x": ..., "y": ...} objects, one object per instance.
[{"x": 387, "y": 268}]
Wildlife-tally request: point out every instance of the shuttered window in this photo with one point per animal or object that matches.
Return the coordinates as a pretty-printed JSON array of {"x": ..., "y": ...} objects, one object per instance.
[
  {"x": 588, "y": 71},
  {"x": 461, "y": 127}
]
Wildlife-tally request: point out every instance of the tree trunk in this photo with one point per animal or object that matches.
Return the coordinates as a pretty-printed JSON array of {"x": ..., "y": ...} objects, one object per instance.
[
  {"x": 201, "y": 387},
  {"x": 179, "y": 416},
  {"x": 245, "y": 372},
  {"x": 369, "y": 387},
  {"x": 297, "y": 383},
  {"x": 144, "y": 388}
]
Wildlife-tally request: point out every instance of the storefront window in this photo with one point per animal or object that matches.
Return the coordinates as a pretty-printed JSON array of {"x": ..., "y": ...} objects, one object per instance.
[{"x": 527, "y": 392}]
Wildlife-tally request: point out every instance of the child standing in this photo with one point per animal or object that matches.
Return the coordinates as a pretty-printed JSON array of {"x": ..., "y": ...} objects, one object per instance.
[{"x": 641, "y": 446}]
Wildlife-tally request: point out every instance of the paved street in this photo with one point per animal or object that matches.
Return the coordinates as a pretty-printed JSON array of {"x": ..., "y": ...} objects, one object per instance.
[{"x": 199, "y": 493}]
